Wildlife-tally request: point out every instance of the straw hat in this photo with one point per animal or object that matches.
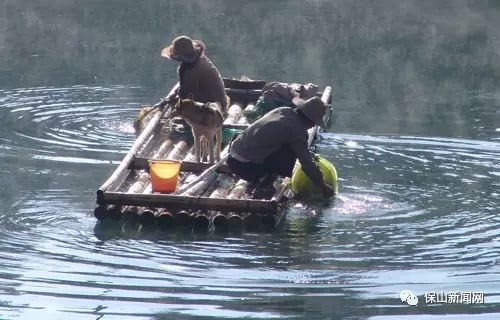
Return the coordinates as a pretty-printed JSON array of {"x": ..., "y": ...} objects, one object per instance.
[
  {"x": 183, "y": 48},
  {"x": 314, "y": 109}
]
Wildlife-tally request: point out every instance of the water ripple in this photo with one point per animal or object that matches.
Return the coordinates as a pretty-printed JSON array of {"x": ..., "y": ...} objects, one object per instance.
[
  {"x": 417, "y": 213},
  {"x": 86, "y": 121}
]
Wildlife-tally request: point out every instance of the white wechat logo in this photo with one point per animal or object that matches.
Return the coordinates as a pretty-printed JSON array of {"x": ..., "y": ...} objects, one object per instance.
[{"x": 408, "y": 297}]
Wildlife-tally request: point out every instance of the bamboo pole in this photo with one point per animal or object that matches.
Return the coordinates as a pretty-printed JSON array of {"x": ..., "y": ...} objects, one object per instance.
[
  {"x": 169, "y": 218},
  {"x": 183, "y": 218},
  {"x": 195, "y": 203},
  {"x": 239, "y": 191},
  {"x": 101, "y": 212},
  {"x": 201, "y": 185},
  {"x": 201, "y": 220},
  {"x": 141, "y": 184},
  {"x": 234, "y": 221},
  {"x": 179, "y": 150},
  {"x": 165, "y": 219},
  {"x": 204, "y": 175},
  {"x": 147, "y": 217},
  {"x": 175, "y": 153},
  {"x": 219, "y": 219}
]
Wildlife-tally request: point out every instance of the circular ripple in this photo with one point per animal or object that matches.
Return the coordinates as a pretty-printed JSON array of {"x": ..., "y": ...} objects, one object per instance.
[{"x": 76, "y": 124}]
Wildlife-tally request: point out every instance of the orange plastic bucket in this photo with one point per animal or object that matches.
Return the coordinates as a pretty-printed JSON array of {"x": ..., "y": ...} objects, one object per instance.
[{"x": 164, "y": 175}]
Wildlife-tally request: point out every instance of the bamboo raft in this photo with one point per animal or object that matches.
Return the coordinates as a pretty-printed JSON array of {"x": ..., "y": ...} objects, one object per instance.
[{"x": 207, "y": 196}]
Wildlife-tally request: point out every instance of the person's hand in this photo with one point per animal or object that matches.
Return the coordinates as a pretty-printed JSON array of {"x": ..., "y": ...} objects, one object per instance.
[{"x": 327, "y": 190}]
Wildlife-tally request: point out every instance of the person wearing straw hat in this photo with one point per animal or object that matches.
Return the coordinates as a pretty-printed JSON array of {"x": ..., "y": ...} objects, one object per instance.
[
  {"x": 271, "y": 145},
  {"x": 197, "y": 74}
]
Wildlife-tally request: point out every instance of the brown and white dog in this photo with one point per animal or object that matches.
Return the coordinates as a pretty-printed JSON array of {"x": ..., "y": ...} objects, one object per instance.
[{"x": 206, "y": 121}]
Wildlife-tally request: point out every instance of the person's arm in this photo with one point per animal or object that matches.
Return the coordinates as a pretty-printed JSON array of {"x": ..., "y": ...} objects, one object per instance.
[{"x": 306, "y": 160}]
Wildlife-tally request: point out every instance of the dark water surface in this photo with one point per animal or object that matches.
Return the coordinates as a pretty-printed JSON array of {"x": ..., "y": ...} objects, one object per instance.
[{"x": 416, "y": 142}]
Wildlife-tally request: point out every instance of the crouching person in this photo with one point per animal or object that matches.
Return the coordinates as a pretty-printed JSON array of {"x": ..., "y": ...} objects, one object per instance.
[{"x": 271, "y": 145}]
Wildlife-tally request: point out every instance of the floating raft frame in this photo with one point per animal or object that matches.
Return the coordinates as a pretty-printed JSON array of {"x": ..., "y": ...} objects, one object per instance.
[{"x": 215, "y": 199}]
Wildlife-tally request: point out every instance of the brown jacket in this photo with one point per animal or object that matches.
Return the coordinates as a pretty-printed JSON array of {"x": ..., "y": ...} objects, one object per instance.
[
  {"x": 203, "y": 80},
  {"x": 279, "y": 127}
]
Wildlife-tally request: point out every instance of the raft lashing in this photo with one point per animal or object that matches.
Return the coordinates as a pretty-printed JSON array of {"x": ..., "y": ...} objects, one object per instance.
[{"x": 218, "y": 202}]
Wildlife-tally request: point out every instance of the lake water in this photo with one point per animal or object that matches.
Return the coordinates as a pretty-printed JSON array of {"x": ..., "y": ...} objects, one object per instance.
[{"x": 416, "y": 142}]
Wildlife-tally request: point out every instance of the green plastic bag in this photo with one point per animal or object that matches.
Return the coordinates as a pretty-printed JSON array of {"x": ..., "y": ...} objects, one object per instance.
[{"x": 302, "y": 186}]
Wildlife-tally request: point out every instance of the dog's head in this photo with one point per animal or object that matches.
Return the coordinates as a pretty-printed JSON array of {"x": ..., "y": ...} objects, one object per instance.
[{"x": 182, "y": 106}]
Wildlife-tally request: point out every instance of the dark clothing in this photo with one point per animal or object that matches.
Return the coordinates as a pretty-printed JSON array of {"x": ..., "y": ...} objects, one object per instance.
[
  {"x": 279, "y": 128},
  {"x": 202, "y": 79},
  {"x": 280, "y": 162}
]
